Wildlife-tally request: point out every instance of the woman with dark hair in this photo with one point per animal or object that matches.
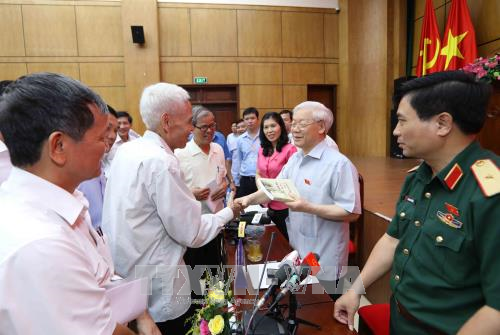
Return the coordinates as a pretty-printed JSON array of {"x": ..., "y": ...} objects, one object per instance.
[{"x": 274, "y": 153}]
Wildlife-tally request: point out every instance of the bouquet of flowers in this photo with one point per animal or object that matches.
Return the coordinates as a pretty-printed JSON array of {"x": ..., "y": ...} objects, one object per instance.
[
  {"x": 486, "y": 69},
  {"x": 215, "y": 316}
]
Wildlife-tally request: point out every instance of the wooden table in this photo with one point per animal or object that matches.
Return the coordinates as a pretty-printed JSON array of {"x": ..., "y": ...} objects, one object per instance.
[{"x": 316, "y": 308}]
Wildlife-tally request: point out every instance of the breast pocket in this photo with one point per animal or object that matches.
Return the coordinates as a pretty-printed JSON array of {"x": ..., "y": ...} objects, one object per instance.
[{"x": 443, "y": 247}]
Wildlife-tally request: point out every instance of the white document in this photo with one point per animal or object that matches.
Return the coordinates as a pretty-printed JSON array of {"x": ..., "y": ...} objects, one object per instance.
[
  {"x": 255, "y": 271},
  {"x": 126, "y": 299},
  {"x": 255, "y": 208}
]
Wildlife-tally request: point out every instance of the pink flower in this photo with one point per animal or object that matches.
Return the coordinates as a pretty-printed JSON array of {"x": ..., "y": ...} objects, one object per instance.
[
  {"x": 492, "y": 65},
  {"x": 204, "y": 327}
]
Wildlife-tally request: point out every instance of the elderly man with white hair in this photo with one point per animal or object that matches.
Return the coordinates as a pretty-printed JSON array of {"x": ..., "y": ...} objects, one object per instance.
[
  {"x": 150, "y": 214},
  {"x": 329, "y": 193}
]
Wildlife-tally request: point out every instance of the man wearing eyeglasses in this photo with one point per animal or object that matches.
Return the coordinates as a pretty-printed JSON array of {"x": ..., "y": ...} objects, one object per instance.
[
  {"x": 202, "y": 162},
  {"x": 329, "y": 193}
]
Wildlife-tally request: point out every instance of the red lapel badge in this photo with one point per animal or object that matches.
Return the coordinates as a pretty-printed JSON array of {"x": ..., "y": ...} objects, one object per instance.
[{"x": 453, "y": 176}]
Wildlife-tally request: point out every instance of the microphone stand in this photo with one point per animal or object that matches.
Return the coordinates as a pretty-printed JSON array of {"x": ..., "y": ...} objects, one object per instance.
[{"x": 293, "y": 320}]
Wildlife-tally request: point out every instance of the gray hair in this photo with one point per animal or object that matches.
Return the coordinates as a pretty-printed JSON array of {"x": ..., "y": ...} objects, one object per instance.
[
  {"x": 158, "y": 99},
  {"x": 199, "y": 111},
  {"x": 320, "y": 112}
]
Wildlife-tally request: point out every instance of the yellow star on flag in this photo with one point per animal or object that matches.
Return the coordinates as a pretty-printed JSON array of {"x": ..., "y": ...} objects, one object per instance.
[{"x": 451, "y": 48}]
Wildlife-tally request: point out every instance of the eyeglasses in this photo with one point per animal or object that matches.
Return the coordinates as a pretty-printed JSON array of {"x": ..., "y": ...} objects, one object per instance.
[
  {"x": 302, "y": 124},
  {"x": 205, "y": 127}
]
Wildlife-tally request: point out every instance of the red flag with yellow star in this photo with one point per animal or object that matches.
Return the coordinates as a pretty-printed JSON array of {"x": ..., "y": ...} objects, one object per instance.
[
  {"x": 459, "y": 43},
  {"x": 430, "y": 42}
]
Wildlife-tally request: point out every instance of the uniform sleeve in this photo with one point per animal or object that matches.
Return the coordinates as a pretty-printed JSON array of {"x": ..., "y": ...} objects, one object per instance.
[
  {"x": 58, "y": 293},
  {"x": 487, "y": 231}
]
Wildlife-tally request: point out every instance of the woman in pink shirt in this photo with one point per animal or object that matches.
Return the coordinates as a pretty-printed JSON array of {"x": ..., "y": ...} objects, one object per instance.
[{"x": 274, "y": 153}]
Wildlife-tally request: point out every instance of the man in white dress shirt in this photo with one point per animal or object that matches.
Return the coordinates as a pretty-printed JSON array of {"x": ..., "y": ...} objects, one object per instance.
[
  {"x": 50, "y": 268},
  {"x": 150, "y": 214}
]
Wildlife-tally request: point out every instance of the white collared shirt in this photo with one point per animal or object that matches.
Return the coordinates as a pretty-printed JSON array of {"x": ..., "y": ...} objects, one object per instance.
[
  {"x": 108, "y": 157},
  {"x": 323, "y": 176},
  {"x": 151, "y": 216},
  {"x": 5, "y": 164},
  {"x": 48, "y": 265},
  {"x": 200, "y": 169}
]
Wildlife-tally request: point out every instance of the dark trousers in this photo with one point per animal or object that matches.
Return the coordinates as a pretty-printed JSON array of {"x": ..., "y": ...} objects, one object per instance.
[
  {"x": 278, "y": 216},
  {"x": 178, "y": 326},
  {"x": 247, "y": 186}
]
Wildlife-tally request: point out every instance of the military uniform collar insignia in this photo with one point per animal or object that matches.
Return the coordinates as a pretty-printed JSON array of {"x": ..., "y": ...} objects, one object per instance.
[{"x": 453, "y": 177}]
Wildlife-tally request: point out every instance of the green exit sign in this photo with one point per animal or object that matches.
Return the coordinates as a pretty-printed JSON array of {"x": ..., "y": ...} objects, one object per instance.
[{"x": 200, "y": 80}]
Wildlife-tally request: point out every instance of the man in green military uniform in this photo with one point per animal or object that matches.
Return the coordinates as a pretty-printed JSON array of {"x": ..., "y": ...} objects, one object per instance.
[{"x": 442, "y": 244}]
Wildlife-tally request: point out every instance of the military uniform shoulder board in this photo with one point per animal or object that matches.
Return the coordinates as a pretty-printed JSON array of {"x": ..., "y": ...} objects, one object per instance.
[
  {"x": 413, "y": 169},
  {"x": 487, "y": 176}
]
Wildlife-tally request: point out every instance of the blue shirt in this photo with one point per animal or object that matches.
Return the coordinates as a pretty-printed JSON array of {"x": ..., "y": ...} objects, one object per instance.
[
  {"x": 221, "y": 140},
  {"x": 248, "y": 151},
  {"x": 93, "y": 190},
  {"x": 323, "y": 176}
]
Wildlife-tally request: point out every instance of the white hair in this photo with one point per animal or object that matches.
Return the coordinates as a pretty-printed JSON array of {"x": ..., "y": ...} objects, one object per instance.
[
  {"x": 320, "y": 112},
  {"x": 158, "y": 99}
]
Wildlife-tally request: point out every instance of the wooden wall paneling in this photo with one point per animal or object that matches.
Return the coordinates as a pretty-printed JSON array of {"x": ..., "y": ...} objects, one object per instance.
[
  {"x": 177, "y": 73},
  {"x": 484, "y": 15},
  {"x": 102, "y": 74},
  {"x": 216, "y": 72},
  {"x": 303, "y": 34},
  {"x": 368, "y": 98},
  {"x": 50, "y": 30},
  {"x": 259, "y": 33},
  {"x": 142, "y": 63},
  {"x": 68, "y": 69},
  {"x": 420, "y": 6},
  {"x": 343, "y": 136},
  {"x": 294, "y": 95},
  {"x": 489, "y": 49},
  {"x": 175, "y": 32},
  {"x": 11, "y": 24},
  {"x": 115, "y": 97},
  {"x": 99, "y": 31},
  {"x": 11, "y": 71},
  {"x": 331, "y": 35},
  {"x": 303, "y": 73},
  {"x": 261, "y": 96},
  {"x": 260, "y": 73},
  {"x": 213, "y": 32},
  {"x": 331, "y": 73}
]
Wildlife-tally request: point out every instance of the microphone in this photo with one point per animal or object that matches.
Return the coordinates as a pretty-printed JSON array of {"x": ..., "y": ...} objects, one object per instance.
[
  {"x": 309, "y": 265},
  {"x": 280, "y": 276},
  {"x": 292, "y": 259}
]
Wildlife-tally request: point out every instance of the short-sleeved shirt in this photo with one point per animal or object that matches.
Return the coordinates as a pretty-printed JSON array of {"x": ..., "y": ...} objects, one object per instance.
[
  {"x": 51, "y": 273},
  {"x": 446, "y": 264},
  {"x": 200, "y": 169},
  {"x": 271, "y": 166},
  {"x": 323, "y": 176}
]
